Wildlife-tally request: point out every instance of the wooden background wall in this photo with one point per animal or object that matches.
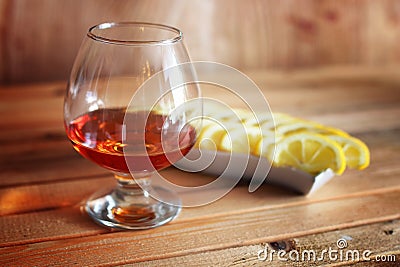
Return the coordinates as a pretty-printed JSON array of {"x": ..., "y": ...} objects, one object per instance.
[{"x": 40, "y": 38}]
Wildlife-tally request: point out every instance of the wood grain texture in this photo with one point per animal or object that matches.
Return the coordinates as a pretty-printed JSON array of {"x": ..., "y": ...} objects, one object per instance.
[
  {"x": 43, "y": 182},
  {"x": 57, "y": 189},
  {"x": 37, "y": 44},
  {"x": 361, "y": 238},
  {"x": 194, "y": 236},
  {"x": 358, "y": 99}
]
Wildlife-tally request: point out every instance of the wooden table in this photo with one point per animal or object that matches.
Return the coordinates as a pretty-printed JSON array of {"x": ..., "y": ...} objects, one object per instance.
[{"x": 43, "y": 182}]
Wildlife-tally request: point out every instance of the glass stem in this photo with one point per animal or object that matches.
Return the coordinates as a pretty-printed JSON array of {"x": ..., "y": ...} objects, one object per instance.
[{"x": 128, "y": 187}]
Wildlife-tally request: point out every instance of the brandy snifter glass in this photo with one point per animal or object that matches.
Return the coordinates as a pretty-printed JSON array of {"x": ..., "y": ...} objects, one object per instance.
[{"x": 130, "y": 129}]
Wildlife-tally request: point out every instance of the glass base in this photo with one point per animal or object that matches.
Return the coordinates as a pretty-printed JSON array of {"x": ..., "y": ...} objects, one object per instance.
[{"x": 128, "y": 206}]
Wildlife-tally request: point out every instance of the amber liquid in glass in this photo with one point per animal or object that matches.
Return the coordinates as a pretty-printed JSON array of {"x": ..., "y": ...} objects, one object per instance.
[{"x": 98, "y": 136}]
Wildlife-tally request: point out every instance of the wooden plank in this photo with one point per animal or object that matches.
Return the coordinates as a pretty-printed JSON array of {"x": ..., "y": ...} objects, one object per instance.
[
  {"x": 32, "y": 159},
  {"x": 58, "y": 162},
  {"x": 43, "y": 90},
  {"x": 32, "y": 198},
  {"x": 66, "y": 195},
  {"x": 296, "y": 98},
  {"x": 337, "y": 83},
  {"x": 383, "y": 173},
  {"x": 214, "y": 233},
  {"x": 43, "y": 162},
  {"x": 43, "y": 188},
  {"x": 56, "y": 224},
  {"x": 379, "y": 238},
  {"x": 315, "y": 96},
  {"x": 285, "y": 35},
  {"x": 39, "y": 155},
  {"x": 265, "y": 198},
  {"x": 382, "y": 119}
]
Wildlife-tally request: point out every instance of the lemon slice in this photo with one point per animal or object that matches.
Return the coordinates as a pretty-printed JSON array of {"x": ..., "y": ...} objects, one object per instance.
[
  {"x": 279, "y": 120},
  {"x": 298, "y": 143},
  {"x": 310, "y": 152},
  {"x": 231, "y": 115},
  {"x": 244, "y": 114},
  {"x": 356, "y": 152},
  {"x": 265, "y": 145},
  {"x": 241, "y": 139},
  {"x": 303, "y": 125},
  {"x": 253, "y": 120},
  {"x": 211, "y": 134}
]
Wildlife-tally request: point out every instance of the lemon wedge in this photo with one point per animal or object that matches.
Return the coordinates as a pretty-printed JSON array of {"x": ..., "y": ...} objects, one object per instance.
[
  {"x": 310, "y": 152},
  {"x": 356, "y": 152},
  {"x": 241, "y": 139},
  {"x": 279, "y": 119},
  {"x": 298, "y": 125},
  {"x": 284, "y": 140},
  {"x": 210, "y": 136},
  {"x": 212, "y": 133},
  {"x": 266, "y": 145},
  {"x": 231, "y": 115}
]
